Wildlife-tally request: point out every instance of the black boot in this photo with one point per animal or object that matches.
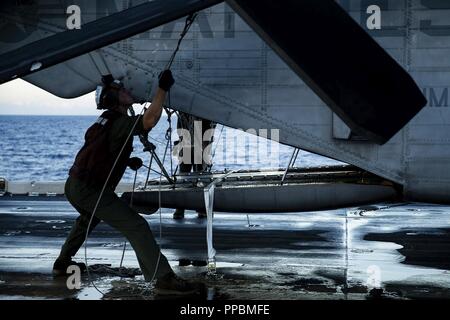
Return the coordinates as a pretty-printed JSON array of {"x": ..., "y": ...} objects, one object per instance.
[
  {"x": 60, "y": 266},
  {"x": 178, "y": 214},
  {"x": 201, "y": 214},
  {"x": 171, "y": 284}
]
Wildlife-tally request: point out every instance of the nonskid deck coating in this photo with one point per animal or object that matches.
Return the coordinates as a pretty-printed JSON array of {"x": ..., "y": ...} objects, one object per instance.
[{"x": 337, "y": 254}]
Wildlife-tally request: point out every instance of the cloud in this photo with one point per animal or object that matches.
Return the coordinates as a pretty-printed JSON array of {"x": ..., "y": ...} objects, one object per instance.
[{"x": 21, "y": 97}]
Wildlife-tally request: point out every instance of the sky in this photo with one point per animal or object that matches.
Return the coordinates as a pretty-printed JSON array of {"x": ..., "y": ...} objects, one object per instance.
[{"x": 19, "y": 97}]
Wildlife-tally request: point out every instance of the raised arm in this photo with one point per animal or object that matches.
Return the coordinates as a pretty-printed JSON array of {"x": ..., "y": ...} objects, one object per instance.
[{"x": 153, "y": 113}]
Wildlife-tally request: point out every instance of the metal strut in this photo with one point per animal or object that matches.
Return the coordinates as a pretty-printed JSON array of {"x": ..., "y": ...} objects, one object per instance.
[
  {"x": 291, "y": 163},
  {"x": 150, "y": 147}
]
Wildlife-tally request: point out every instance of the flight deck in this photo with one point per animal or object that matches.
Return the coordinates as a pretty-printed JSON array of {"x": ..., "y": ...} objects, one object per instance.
[{"x": 383, "y": 251}]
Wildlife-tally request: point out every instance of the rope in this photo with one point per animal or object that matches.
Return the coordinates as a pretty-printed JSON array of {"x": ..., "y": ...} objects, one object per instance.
[
  {"x": 160, "y": 214},
  {"x": 169, "y": 133},
  {"x": 99, "y": 199},
  {"x": 131, "y": 205},
  {"x": 189, "y": 21}
]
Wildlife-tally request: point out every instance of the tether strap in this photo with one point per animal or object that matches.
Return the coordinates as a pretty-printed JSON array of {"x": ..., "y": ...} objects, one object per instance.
[{"x": 189, "y": 21}]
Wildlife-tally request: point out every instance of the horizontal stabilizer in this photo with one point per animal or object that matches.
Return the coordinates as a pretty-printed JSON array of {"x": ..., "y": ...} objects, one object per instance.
[
  {"x": 65, "y": 45},
  {"x": 343, "y": 64}
]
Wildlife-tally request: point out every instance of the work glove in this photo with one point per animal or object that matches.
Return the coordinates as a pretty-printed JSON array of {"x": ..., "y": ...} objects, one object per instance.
[
  {"x": 135, "y": 163},
  {"x": 166, "y": 80}
]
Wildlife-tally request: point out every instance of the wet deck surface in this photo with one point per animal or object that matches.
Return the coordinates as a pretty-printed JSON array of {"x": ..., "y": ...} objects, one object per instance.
[{"x": 339, "y": 254}]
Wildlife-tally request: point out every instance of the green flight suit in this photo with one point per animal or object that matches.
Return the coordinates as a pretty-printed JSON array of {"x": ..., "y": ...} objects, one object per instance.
[{"x": 114, "y": 211}]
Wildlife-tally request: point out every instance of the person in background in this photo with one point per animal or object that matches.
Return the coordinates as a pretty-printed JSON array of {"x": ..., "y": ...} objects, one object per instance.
[{"x": 198, "y": 137}]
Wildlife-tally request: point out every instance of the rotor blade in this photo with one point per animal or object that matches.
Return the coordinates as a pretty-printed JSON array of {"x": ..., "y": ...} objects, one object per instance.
[
  {"x": 99, "y": 33},
  {"x": 342, "y": 63}
]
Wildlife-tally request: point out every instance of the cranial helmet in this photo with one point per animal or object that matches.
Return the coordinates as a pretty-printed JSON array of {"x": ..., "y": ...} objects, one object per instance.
[{"x": 107, "y": 95}]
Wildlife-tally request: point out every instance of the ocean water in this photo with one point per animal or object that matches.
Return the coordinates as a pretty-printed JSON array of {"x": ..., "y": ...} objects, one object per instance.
[{"x": 42, "y": 148}]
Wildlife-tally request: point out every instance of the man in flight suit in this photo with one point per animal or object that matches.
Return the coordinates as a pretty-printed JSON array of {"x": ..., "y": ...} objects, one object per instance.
[
  {"x": 199, "y": 138},
  {"x": 104, "y": 157}
]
